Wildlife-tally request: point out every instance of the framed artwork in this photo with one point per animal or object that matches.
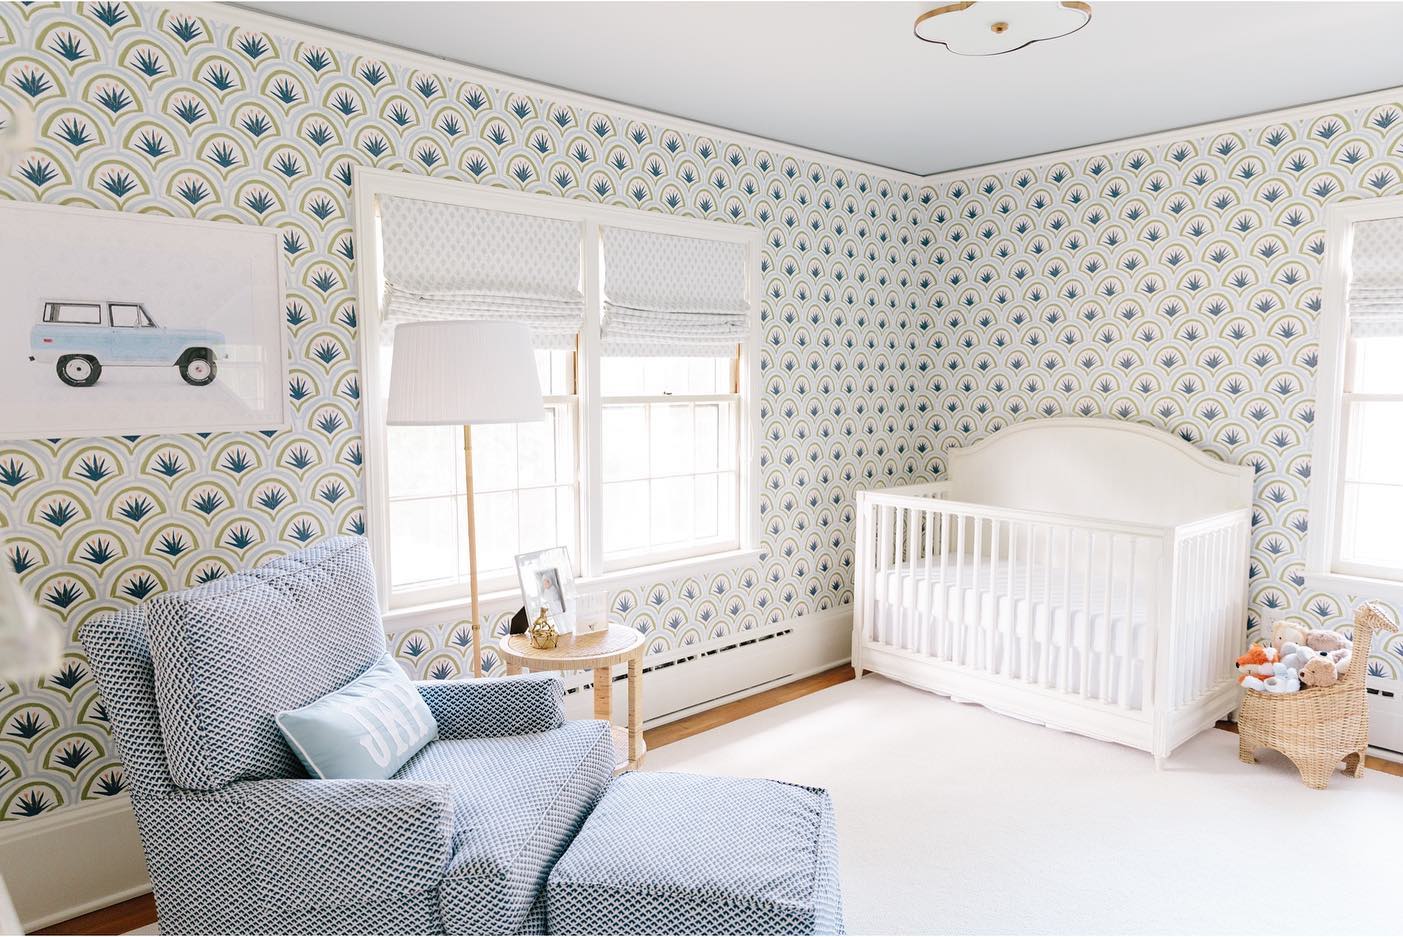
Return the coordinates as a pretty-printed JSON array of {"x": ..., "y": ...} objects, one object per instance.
[
  {"x": 116, "y": 323},
  {"x": 548, "y": 582}
]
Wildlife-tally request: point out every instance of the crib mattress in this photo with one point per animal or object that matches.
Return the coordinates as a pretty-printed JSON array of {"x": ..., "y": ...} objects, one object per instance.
[{"x": 1042, "y": 618}]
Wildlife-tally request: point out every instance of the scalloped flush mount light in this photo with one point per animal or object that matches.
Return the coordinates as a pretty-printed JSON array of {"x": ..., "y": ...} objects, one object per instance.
[{"x": 993, "y": 28}]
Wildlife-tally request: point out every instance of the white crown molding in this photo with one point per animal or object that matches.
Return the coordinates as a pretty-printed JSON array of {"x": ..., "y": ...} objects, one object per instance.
[
  {"x": 1369, "y": 99},
  {"x": 236, "y": 15}
]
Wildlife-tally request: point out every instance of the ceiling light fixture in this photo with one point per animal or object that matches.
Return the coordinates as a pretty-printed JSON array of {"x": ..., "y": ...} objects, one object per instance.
[{"x": 993, "y": 28}]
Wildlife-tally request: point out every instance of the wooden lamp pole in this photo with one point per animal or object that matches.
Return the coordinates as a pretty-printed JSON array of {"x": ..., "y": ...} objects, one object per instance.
[{"x": 472, "y": 549}]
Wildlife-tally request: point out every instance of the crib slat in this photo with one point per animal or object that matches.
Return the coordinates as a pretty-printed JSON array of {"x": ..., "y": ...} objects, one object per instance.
[
  {"x": 991, "y": 633},
  {"x": 944, "y": 585},
  {"x": 1104, "y": 689},
  {"x": 977, "y": 612},
  {"x": 961, "y": 521},
  {"x": 1064, "y": 650},
  {"x": 927, "y": 597},
  {"x": 1126, "y": 644},
  {"x": 1026, "y": 668},
  {"x": 1084, "y": 646},
  {"x": 1010, "y": 606}
]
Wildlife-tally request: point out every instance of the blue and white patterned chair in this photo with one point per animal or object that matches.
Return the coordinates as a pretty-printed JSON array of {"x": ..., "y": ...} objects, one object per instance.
[{"x": 238, "y": 839}]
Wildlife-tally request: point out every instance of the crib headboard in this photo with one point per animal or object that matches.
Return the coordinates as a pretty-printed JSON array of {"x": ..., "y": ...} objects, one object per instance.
[{"x": 1097, "y": 468}]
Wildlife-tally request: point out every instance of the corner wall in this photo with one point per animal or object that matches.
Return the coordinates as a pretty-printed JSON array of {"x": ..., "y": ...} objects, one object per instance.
[{"x": 1174, "y": 281}]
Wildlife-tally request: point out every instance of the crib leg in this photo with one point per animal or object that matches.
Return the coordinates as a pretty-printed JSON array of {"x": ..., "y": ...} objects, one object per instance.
[
  {"x": 1244, "y": 752},
  {"x": 1159, "y": 762},
  {"x": 1354, "y": 764}
]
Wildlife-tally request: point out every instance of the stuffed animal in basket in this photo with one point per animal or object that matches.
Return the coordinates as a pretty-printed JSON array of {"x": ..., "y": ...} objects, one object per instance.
[
  {"x": 1285, "y": 632},
  {"x": 1326, "y": 668},
  {"x": 1258, "y": 662},
  {"x": 1318, "y": 655},
  {"x": 1260, "y": 669}
]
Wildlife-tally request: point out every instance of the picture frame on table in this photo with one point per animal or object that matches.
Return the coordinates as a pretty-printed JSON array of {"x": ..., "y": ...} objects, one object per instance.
[{"x": 548, "y": 582}]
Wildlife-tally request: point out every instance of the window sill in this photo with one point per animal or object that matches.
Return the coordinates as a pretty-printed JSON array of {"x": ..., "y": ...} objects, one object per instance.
[
  {"x": 1362, "y": 587},
  {"x": 433, "y": 613}
]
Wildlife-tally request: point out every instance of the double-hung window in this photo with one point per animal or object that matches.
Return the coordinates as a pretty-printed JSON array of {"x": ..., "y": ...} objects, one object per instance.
[
  {"x": 1357, "y": 502},
  {"x": 643, "y": 329}
]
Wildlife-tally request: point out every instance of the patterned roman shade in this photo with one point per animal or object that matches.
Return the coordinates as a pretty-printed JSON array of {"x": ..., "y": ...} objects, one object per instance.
[
  {"x": 667, "y": 295},
  {"x": 446, "y": 261},
  {"x": 1376, "y": 279}
]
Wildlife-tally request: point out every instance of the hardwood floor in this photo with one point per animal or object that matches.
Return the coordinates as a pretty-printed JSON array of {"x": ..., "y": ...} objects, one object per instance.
[
  {"x": 141, "y": 911},
  {"x": 115, "y": 919}
]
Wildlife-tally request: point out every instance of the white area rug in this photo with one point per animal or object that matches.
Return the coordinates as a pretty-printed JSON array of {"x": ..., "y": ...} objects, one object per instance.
[{"x": 953, "y": 819}]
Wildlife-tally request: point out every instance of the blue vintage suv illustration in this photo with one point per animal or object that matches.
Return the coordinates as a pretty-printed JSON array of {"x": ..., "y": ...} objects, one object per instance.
[{"x": 82, "y": 337}]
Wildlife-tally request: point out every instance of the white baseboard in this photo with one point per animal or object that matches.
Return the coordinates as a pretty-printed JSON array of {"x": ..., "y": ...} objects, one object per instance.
[
  {"x": 88, "y": 857},
  {"x": 680, "y": 685},
  {"x": 69, "y": 863}
]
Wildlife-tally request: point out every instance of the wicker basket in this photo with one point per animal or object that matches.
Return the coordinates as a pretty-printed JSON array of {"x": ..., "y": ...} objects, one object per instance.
[{"x": 1317, "y": 728}]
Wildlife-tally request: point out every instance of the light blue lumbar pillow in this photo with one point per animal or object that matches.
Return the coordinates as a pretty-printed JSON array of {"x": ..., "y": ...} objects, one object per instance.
[{"x": 366, "y": 729}]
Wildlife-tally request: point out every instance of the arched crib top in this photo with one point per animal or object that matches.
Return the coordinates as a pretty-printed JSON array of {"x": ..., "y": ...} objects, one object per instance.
[{"x": 1097, "y": 468}]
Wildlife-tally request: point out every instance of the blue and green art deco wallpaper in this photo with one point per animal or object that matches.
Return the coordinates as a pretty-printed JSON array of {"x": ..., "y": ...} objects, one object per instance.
[
  {"x": 1177, "y": 285},
  {"x": 147, "y": 109}
]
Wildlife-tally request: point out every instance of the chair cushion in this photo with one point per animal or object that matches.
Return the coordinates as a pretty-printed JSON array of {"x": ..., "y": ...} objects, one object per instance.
[
  {"x": 229, "y": 654},
  {"x": 517, "y": 803},
  {"x": 683, "y": 854},
  {"x": 367, "y": 729}
]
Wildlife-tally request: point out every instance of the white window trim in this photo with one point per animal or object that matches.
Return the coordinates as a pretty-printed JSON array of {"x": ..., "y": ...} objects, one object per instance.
[
  {"x": 370, "y": 184},
  {"x": 1327, "y": 456}
]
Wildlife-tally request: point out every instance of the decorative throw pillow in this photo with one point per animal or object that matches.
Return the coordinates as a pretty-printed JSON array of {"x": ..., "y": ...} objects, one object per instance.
[{"x": 366, "y": 729}]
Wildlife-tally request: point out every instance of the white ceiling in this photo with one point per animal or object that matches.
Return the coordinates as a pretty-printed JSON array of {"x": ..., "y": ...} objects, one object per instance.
[{"x": 850, "y": 78}]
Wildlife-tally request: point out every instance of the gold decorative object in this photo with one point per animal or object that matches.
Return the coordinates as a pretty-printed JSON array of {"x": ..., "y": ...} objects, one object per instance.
[
  {"x": 543, "y": 633},
  {"x": 995, "y": 27}
]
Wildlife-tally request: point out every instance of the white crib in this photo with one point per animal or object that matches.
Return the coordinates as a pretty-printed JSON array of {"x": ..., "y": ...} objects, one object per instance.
[{"x": 1089, "y": 575}]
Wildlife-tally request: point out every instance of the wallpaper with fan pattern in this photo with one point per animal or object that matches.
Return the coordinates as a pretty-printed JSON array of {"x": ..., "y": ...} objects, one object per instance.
[
  {"x": 1176, "y": 285},
  {"x": 143, "y": 108}
]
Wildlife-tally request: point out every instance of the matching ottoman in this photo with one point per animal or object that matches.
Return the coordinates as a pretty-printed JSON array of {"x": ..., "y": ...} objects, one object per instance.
[{"x": 685, "y": 854}]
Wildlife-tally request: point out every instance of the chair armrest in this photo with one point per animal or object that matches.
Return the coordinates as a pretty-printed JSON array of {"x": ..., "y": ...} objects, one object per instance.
[
  {"x": 494, "y": 707},
  {"x": 335, "y": 843}
]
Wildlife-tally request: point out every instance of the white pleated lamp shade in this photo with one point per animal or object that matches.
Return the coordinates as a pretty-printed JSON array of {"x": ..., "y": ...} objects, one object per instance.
[{"x": 460, "y": 372}]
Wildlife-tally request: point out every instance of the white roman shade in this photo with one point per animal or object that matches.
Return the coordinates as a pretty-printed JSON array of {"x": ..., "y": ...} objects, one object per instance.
[
  {"x": 451, "y": 262},
  {"x": 1376, "y": 279},
  {"x": 668, "y": 295}
]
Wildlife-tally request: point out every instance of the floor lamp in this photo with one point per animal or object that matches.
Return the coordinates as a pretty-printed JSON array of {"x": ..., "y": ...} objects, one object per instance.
[{"x": 457, "y": 373}]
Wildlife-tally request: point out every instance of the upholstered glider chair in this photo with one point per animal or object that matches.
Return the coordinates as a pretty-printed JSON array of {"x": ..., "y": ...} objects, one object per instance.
[{"x": 239, "y": 839}]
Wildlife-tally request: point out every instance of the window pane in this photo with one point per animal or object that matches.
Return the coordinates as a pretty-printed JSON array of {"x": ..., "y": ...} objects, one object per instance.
[
  {"x": 1371, "y": 523},
  {"x": 671, "y": 439},
  {"x": 423, "y": 460},
  {"x": 556, "y": 370},
  {"x": 1378, "y": 366},
  {"x": 713, "y": 448},
  {"x": 496, "y": 532},
  {"x": 537, "y": 524},
  {"x": 1375, "y": 444},
  {"x": 536, "y": 451},
  {"x": 625, "y": 516},
  {"x": 625, "y": 442},
  {"x": 423, "y": 541},
  {"x": 494, "y": 457},
  {"x": 637, "y": 377},
  {"x": 672, "y": 511},
  {"x": 706, "y": 489}
]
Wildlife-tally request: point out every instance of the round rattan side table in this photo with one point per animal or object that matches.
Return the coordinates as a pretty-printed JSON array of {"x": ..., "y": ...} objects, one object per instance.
[{"x": 600, "y": 652}]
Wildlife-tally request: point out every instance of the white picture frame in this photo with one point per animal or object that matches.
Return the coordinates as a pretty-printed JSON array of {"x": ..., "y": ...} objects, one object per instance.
[
  {"x": 119, "y": 323},
  {"x": 548, "y": 581}
]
